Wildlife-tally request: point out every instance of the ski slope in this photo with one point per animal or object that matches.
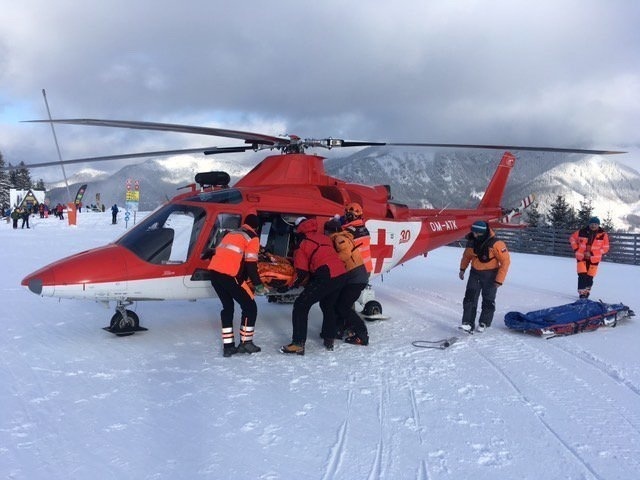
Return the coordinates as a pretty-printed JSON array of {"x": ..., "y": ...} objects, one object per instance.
[{"x": 78, "y": 402}]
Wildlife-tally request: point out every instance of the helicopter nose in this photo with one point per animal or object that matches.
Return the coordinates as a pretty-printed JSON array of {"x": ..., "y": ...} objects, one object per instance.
[
  {"x": 35, "y": 285},
  {"x": 36, "y": 281}
]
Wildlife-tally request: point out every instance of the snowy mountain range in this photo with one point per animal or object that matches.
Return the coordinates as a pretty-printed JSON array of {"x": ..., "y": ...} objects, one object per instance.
[
  {"x": 443, "y": 179},
  {"x": 448, "y": 179}
]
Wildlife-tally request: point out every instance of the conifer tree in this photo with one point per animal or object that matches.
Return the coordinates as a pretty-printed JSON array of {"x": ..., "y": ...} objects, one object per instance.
[
  {"x": 584, "y": 214},
  {"x": 21, "y": 177},
  {"x": 561, "y": 214},
  {"x": 5, "y": 186},
  {"x": 607, "y": 223},
  {"x": 533, "y": 216}
]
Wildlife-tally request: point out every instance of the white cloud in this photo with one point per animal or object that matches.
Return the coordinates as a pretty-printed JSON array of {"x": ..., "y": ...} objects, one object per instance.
[{"x": 466, "y": 71}]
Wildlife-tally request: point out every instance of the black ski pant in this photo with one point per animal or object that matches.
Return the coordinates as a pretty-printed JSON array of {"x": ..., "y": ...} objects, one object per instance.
[
  {"x": 321, "y": 288},
  {"x": 480, "y": 282},
  {"x": 585, "y": 281},
  {"x": 228, "y": 289},
  {"x": 347, "y": 318}
]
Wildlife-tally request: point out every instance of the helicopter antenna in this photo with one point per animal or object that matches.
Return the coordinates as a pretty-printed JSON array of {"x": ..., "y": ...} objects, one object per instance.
[
  {"x": 444, "y": 208},
  {"x": 55, "y": 140}
]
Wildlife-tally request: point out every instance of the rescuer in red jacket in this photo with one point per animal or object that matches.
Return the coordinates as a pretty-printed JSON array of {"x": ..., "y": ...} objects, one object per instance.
[
  {"x": 589, "y": 244},
  {"x": 317, "y": 263},
  {"x": 235, "y": 260}
]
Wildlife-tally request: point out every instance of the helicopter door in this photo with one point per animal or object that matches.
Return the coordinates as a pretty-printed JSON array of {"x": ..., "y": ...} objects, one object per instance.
[
  {"x": 277, "y": 236},
  {"x": 224, "y": 222}
]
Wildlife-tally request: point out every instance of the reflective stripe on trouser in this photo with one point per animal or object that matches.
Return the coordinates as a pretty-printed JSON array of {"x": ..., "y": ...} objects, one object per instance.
[
  {"x": 246, "y": 333},
  {"x": 227, "y": 336},
  {"x": 228, "y": 290}
]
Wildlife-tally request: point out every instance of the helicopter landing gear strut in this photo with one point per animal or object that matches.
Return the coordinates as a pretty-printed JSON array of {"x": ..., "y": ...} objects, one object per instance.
[
  {"x": 124, "y": 322},
  {"x": 372, "y": 309}
]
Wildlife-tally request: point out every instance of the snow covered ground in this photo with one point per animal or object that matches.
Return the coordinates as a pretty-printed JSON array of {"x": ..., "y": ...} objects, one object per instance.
[{"x": 78, "y": 402}]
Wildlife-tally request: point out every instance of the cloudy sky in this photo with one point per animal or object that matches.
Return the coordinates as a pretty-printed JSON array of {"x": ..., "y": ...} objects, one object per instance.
[{"x": 553, "y": 73}]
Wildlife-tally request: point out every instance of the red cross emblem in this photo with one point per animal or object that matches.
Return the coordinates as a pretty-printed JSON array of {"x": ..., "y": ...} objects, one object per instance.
[{"x": 380, "y": 250}]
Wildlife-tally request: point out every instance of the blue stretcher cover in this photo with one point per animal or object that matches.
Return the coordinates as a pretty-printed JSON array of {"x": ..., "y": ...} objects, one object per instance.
[{"x": 582, "y": 315}]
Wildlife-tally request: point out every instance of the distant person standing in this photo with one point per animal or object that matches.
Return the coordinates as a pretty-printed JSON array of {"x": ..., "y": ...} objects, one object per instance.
[
  {"x": 114, "y": 214},
  {"x": 490, "y": 260},
  {"x": 25, "y": 216},
  {"x": 589, "y": 244},
  {"x": 15, "y": 216}
]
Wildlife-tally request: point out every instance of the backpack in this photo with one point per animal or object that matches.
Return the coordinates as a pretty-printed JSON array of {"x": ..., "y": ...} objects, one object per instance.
[{"x": 347, "y": 250}]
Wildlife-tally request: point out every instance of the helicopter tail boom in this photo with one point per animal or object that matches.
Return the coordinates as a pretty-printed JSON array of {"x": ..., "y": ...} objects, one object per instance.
[{"x": 493, "y": 194}]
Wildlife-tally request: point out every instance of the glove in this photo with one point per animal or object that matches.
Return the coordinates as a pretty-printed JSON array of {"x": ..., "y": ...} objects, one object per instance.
[
  {"x": 208, "y": 253},
  {"x": 461, "y": 274},
  {"x": 497, "y": 284},
  {"x": 261, "y": 290}
]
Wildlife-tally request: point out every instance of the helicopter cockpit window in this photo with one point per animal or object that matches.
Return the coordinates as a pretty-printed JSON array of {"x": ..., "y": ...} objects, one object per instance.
[
  {"x": 167, "y": 236},
  {"x": 228, "y": 195}
]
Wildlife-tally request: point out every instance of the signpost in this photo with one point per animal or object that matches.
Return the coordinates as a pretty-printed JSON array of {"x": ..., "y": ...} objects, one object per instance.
[{"x": 132, "y": 199}]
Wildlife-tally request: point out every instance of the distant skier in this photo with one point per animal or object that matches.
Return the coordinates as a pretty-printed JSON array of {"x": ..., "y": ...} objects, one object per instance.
[
  {"x": 589, "y": 244},
  {"x": 490, "y": 260},
  {"x": 114, "y": 214}
]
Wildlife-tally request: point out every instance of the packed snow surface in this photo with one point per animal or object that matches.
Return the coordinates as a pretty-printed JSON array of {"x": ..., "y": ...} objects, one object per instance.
[{"x": 80, "y": 403}]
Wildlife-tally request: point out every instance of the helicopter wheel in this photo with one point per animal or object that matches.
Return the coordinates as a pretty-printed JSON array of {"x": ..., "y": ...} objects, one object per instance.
[
  {"x": 372, "y": 308},
  {"x": 126, "y": 324}
]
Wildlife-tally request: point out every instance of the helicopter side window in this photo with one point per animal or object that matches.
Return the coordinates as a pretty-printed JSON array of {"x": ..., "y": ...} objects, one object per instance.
[
  {"x": 230, "y": 195},
  {"x": 167, "y": 236}
]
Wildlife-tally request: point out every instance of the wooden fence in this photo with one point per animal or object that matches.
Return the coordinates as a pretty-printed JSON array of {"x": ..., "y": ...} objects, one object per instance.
[{"x": 625, "y": 247}]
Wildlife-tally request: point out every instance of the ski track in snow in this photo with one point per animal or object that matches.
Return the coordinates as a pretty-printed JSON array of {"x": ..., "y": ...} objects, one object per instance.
[
  {"x": 611, "y": 371},
  {"x": 509, "y": 352},
  {"x": 528, "y": 404},
  {"x": 337, "y": 451},
  {"x": 164, "y": 404}
]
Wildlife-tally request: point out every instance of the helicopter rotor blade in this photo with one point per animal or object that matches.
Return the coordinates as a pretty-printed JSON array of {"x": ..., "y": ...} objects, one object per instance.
[
  {"x": 216, "y": 150},
  {"x": 258, "y": 141},
  {"x": 349, "y": 143},
  {"x": 159, "y": 153},
  {"x": 249, "y": 137},
  {"x": 510, "y": 147}
]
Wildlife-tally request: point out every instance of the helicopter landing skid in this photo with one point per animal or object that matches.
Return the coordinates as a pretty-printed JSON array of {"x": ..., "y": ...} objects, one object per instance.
[{"x": 124, "y": 322}]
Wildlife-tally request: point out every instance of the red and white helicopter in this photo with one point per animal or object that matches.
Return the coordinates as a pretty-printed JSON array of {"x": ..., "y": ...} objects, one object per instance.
[{"x": 161, "y": 257}]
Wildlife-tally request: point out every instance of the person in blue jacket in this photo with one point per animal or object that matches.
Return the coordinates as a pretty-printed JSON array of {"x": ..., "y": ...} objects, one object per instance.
[{"x": 114, "y": 214}]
